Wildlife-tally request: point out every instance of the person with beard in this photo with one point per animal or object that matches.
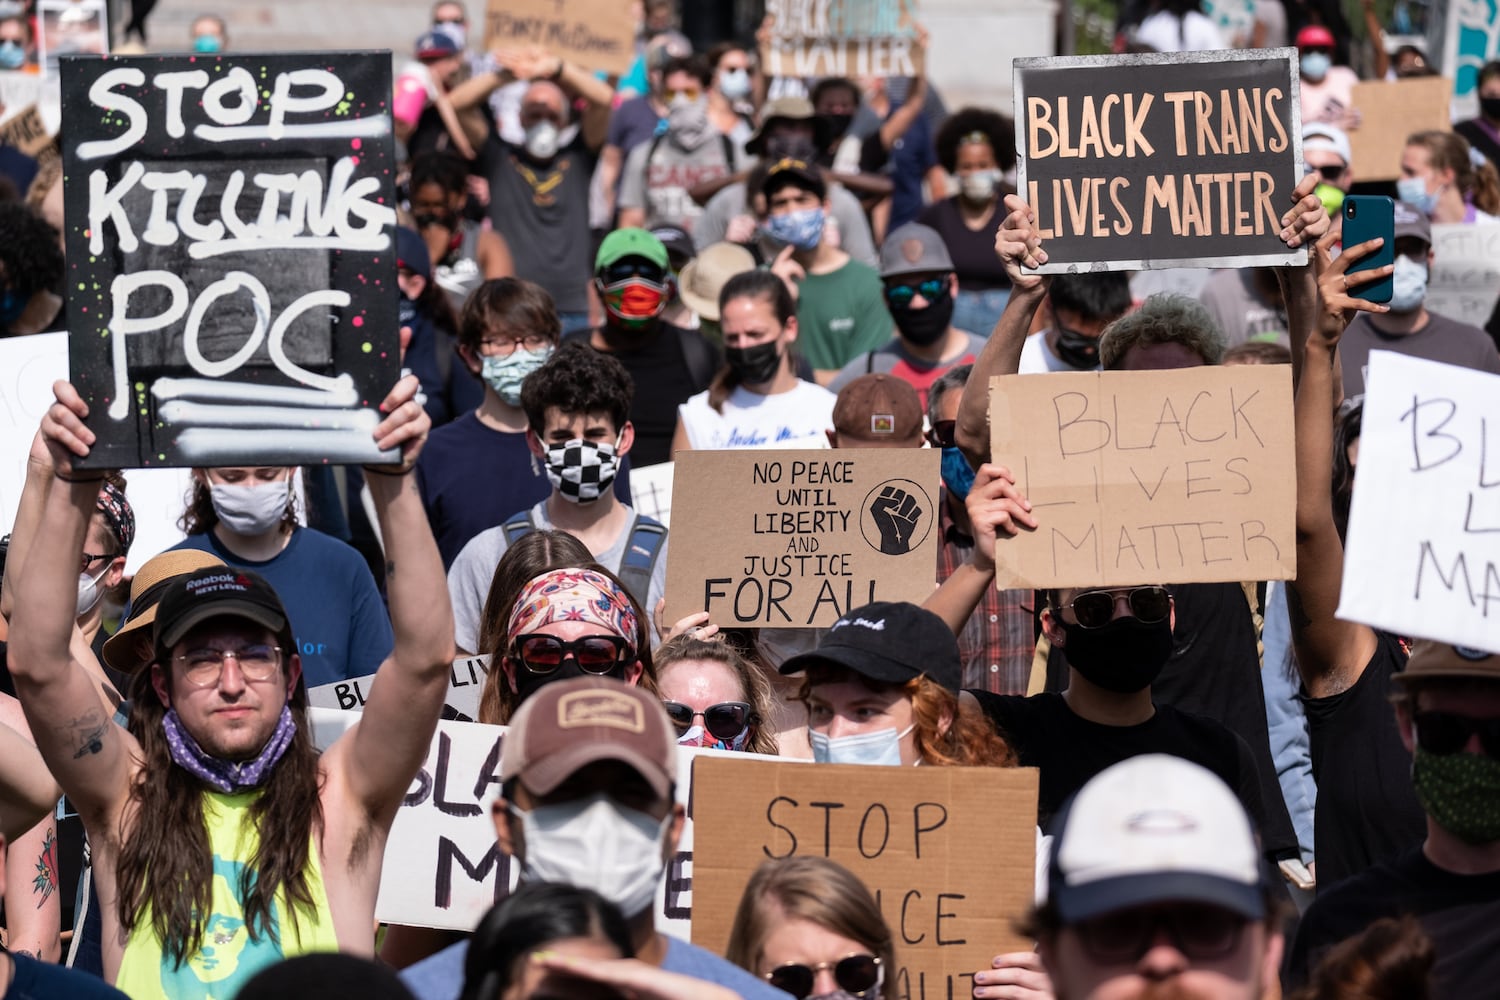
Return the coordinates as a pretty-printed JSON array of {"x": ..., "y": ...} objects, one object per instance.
[
  {"x": 1078, "y": 308},
  {"x": 588, "y": 799},
  {"x": 756, "y": 400},
  {"x": 659, "y": 173},
  {"x": 463, "y": 252},
  {"x": 667, "y": 364},
  {"x": 1409, "y": 327},
  {"x": 577, "y": 413},
  {"x": 920, "y": 286},
  {"x": 222, "y": 840},
  {"x": 1156, "y": 891}
]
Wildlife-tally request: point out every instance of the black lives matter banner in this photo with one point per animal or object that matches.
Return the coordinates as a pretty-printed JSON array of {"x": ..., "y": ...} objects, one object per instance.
[
  {"x": 1157, "y": 160},
  {"x": 230, "y": 245}
]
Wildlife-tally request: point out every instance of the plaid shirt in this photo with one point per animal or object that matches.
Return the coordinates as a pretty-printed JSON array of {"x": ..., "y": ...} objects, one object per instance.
[{"x": 998, "y": 640}]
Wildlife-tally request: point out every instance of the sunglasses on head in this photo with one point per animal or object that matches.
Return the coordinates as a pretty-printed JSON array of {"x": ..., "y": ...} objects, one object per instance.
[
  {"x": 724, "y": 721},
  {"x": 902, "y": 295},
  {"x": 857, "y": 975},
  {"x": 594, "y": 654},
  {"x": 941, "y": 434},
  {"x": 1096, "y": 608},
  {"x": 1199, "y": 932},
  {"x": 1445, "y": 733}
]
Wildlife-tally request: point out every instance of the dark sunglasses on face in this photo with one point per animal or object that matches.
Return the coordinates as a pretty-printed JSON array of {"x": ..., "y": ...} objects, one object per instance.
[
  {"x": 594, "y": 654},
  {"x": 1330, "y": 172},
  {"x": 857, "y": 975},
  {"x": 941, "y": 434},
  {"x": 1199, "y": 932},
  {"x": 902, "y": 295},
  {"x": 724, "y": 721},
  {"x": 1096, "y": 608},
  {"x": 1445, "y": 733},
  {"x": 624, "y": 270}
]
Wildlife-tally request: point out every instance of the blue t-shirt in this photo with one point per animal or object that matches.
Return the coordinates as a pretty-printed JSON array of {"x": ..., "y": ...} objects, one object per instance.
[
  {"x": 36, "y": 980},
  {"x": 473, "y": 477},
  {"x": 441, "y": 977},
  {"x": 338, "y": 619}
]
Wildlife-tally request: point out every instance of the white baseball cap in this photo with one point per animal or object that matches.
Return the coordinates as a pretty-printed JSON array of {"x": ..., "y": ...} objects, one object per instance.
[
  {"x": 1154, "y": 829},
  {"x": 1319, "y": 135}
]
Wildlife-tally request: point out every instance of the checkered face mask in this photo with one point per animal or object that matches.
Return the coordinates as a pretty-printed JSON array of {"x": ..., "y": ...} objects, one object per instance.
[{"x": 582, "y": 471}]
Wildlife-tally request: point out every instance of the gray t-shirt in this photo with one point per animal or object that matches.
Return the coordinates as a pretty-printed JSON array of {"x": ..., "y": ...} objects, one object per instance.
[
  {"x": 543, "y": 213},
  {"x": 658, "y": 175},
  {"x": 1241, "y": 312},
  {"x": 469, "y": 577},
  {"x": 854, "y": 231},
  {"x": 1442, "y": 339}
]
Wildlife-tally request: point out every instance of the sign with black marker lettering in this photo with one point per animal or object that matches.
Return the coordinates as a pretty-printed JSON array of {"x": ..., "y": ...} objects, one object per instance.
[
  {"x": 1465, "y": 273},
  {"x": 594, "y": 34},
  {"x": 1160, "y": 160},
  {"x": 1181, "y": 476},
  {"x": 1422, "y": 555},
  {"x": 466, "y": 678},
  {"x": 231, "y": 261},
  {"x": 948, "y": 852},
  {"x": 794, "y": 539}
]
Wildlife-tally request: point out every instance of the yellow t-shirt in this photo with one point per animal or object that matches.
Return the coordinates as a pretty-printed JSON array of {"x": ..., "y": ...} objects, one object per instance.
[{"x": 229, "y": 957}]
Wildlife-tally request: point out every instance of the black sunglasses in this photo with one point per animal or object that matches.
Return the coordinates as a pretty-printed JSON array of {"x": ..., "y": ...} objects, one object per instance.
[
  {"x": 902, "y": 295},
  {"x": 1331, "y": 172},
  {"x": 941, "y": 434},
  {"x": 631, "y": 267},
  {"x": 724, "y": 721},
  {"x": 857, "y": 975},
  {"x": 1199, "y": 932},
  {"x": 1445, "y": 733},
  {"x": 1096, "y": 608},
  {"x": 594, "y": 654}
]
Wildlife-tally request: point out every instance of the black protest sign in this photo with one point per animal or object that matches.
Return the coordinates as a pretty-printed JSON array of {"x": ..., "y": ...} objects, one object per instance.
[
  {"x": 1160, "y": 160},
  {"x": 231, "y": 256}
]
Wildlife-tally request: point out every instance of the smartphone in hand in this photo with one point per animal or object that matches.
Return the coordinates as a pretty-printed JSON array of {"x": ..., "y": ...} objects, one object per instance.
[{"x": 1366, "y": 217}]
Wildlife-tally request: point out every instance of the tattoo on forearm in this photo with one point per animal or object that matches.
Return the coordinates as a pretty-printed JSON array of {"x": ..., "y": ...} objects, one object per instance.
[
  {"x": 44, "y": 884},
  {"x": 390, "y": 568},
  {"x": 86, "y": 734}
]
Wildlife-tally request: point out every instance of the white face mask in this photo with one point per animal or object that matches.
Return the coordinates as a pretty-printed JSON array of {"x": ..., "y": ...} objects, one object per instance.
[
  {"x": 1408, "y": 285},
  {"x": 89, "y": 591},
  {"x": 595, "y": 843},
  {"x": 734, "y": 83},
  {"x": 883, "y": 746},
  {"x": 542, "y": 140},
  {"x": 980, "y": 185},
  {"x": 250, "y": 510}
]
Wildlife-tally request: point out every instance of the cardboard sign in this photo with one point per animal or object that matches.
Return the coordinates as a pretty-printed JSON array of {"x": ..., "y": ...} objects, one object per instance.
[
  {"x": 230, "y": 246},
  {"x": 70, "y": 28},
  {"x": 948, "y": 852},
  {"x": 1469, "y": 40},
  {"x": 794, "y": 539},
  {"x": 1183, "y": 476},
  {"x": 1392, "y": 110},
  {"x": 1422, "y": 557},
  {"x": 27, "y": 132},
  {"x": 596, "y": 34},
  {"x": 465, "y": 685},
  {"x": 1191, "y": 166},
  {"x": 1465, "y": 281},
  {"x": 442, "y": 867},
  {"x": 815, "y": 38}
]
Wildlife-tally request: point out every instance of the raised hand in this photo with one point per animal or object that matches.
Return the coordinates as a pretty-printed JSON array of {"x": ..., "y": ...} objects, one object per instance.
[
  {"x": 63, "y": 433},
  {"x": 1335, "y": 279},
  {"x": 995, "y": 507},
  {"x": 405, "y": 425},
  {"x": 1018, "y": 244}
]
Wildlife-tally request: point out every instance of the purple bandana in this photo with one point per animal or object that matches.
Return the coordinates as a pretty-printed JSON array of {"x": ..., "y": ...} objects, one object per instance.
[{"x": 227, "y": 776}]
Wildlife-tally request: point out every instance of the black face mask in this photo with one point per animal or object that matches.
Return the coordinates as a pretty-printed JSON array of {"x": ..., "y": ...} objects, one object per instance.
[
  {"x": 754, "y": 364},
  {"x": 1124, "y": 656},
  {"x": 837, "y": 124},
  {"x": 927, "y": 325},
  {"x": 528, "y": 683},
  {"x": 1490, "y": 108},
  {"x": 447, "y": 220},
  {"x": 1076, "y": 349},
  {"x": 790, "y": 146}
]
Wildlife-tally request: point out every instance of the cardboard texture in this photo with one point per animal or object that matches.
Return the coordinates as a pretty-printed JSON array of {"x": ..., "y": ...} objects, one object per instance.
[
  {"x": 794, "y": 539},
  {"x": 1184, "y": 476},
  {"x": 465, "y": 685},
  {"x": 843, "y": 38},
  {"x": 230, "y": 248},
  {"x": 948, "y": 852},
  {"x": 594, "y": 34},
  {"x": 1390, "y": 111},
  {"x": 27, "y": 132},
  {"x": 1422, "y": 557},
  {"x": 1192, "y": 167},
  {"x": 1465, "y": 272}
]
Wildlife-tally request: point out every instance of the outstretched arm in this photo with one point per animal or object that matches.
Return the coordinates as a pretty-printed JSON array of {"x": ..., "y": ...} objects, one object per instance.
[
  {"x": 378, "y": 757},
  {"x": 1020, "y": 248}
]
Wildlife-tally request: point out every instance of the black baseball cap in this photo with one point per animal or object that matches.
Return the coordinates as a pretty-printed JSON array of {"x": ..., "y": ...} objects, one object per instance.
[
  {"x": 888, "y": 642},
  {"x": 221, "y": 591}
]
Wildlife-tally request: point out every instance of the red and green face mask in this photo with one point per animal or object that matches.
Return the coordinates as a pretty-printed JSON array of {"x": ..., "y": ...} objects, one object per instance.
[{"x": 634, "y": 302}]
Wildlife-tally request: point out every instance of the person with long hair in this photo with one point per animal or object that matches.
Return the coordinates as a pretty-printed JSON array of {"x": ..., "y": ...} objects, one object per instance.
[
  {"x": 714, "y": 696},
  {"x": 1446, "y": 180},
  {"x": 222, "y": 840},
  {"x": 756, "y": 400},
  {"x": 809, "y": 927}
]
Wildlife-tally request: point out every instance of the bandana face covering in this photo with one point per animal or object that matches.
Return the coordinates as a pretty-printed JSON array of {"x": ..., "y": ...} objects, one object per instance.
[
  {"x": 227, "y": 776},
  {"x": 697, "y": 736},
  {"x": 581, "y": 471}
]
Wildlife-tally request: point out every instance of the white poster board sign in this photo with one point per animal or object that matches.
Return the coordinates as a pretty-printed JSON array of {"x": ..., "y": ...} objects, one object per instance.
[
  {"x": 1465, "y": 271},
  {"x": 1423, "y": 552},
  {"x": 465, "y": 685},
  {"x": 442, "y": 867}
]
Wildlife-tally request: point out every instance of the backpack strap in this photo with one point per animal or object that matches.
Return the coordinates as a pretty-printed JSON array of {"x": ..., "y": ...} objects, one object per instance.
[
  {"x": 642, "y": 550},
  {"x": 517, "y": 526}
]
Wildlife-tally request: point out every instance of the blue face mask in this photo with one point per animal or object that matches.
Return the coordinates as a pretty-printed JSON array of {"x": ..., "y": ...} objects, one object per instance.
[
  {"x": 208, "y": 44},
  {"x": 883, "y": 746},
  {"x": 505, "y": 375},
  {"x": 1413, "y": 191},
  {"x": 12, "y": 55},
  {"x": 1315, "y": 65},
  {"x": 802, "y": 229},
  {"x": 957, "y": 474}
]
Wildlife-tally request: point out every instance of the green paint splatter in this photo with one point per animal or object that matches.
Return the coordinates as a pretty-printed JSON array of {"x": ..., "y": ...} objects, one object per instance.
[{"x": 367, "y": 347}]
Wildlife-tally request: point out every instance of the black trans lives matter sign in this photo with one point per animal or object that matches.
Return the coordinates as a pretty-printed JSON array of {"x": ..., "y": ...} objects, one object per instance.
[
  {"x": 1160, "y": 160},
  {"x": 231, "y": 255}
]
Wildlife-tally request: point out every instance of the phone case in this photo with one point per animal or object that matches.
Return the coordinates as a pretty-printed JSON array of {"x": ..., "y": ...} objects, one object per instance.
[{"x": 1366, "y": 217}]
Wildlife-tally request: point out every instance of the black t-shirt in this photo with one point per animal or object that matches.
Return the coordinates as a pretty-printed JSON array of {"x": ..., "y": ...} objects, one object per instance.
[
  {"x": 1367, "y": 811},
  {"x": 543, "y": 213},
  {"x": 1045, "y": 733},
  {"x": 1460, "y": 913},
  {"x": 667, "y": 367},
  {"x": 972, "y": 250}
]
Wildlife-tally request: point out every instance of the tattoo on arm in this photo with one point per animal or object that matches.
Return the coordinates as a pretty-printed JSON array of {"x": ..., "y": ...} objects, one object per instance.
[
  {"x": 390, "y": 568},
  {"x": 44, "y": 884},
  {"x": 87, "y": 734}
]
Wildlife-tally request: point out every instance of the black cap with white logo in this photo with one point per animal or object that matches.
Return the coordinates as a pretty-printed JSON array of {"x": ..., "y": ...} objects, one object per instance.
[{"x": 888, "y": 642}]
